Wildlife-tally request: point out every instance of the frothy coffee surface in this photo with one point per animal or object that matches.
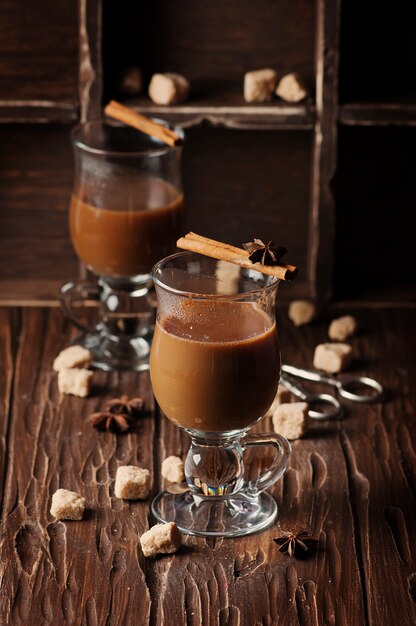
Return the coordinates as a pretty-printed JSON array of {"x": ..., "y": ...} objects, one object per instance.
[{"x": 215, "y": 365}]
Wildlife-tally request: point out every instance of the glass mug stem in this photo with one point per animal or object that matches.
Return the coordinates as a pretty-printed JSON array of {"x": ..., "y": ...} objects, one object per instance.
[
  {"x": 216, "y": 467},
  {"x": 121, "y": 339}
]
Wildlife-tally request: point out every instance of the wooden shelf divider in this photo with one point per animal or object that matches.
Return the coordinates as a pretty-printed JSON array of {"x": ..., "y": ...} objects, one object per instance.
[
  {"x": 37, "y": 112},
  {"x": 378, "y": 114}
]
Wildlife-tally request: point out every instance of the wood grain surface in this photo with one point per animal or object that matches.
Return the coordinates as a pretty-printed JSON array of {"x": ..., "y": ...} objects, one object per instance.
[
  {"x": 39, "y": 51},
  {"x": 351, "y": 482}
]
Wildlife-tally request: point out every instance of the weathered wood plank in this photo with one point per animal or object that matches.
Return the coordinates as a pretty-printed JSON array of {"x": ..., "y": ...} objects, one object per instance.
[
  {"x": 55, "y": 572},
  {"x": 379, "y": 444},
  {"x": 351, "y": 483},
  {"x": 9, "y": 322}
]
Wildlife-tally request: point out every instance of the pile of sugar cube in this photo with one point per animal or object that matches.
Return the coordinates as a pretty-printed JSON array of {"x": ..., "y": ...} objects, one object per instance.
[
  {"x": 132, "y": 483},
  {"x": 73, "y": 376},
  {"x": 262, "y": 85},
  {"x": 290, "y": 419},
  {"x": 169, "y": 88}
]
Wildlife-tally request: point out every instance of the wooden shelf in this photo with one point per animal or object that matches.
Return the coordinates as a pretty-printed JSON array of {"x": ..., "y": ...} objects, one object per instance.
[
  {"x": 37, "y": 111},
  {"x": 377, "y": 114},
  {"x": 229, "y": 110},
  {"x": 30, "y": 292}
]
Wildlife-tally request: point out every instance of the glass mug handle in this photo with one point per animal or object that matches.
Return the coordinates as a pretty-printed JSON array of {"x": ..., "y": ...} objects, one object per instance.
[
  {"x": 278, "y": 466},
  {"x": 79, "y": 291}
]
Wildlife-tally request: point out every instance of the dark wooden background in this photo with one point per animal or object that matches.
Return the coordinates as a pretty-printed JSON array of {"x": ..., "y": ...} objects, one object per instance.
[{"x": 331, "y": 178}]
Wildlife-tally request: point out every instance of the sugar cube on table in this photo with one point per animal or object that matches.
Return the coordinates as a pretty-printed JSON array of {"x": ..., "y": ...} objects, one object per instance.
[
  {"x": 291, "y": 88},
  {"x": 168, "y": 88},
  {"x": 290, "y": 420},
  {"x": 75, "y": 381},
  {"x": 161, "y": 539},
  {"x": 301, "y": 312},
  {"x": 172, "y": 469},
  {"x": 74, "y": 356},
  {"x": 259, "y": 85},
  {"x": 283, "y": 395},
  {"x": 342, "y": 328},
  {"x": 67, "y": 505},
  {"x": 132, "y": 483},
  {"x": 332, "y": 357}
]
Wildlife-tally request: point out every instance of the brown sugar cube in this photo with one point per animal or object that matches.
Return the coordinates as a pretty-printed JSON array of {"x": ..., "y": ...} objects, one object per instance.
[
  {"x": 332, "y": 357},
  {"x": 259, "y": 85},
  {"x": 168, "y": 88},
  {"x": 74, "y": 356},
  {"x": 290, "y": 419},
  {"x": 161, "y": 539},
  {"x": 342, "y": 328},
  {"x": 301, "y": 312},
  {"x": 283, "y": 396},
  {"x": 172, "y": 469},
  {"x": 75, "y": 381},
  {"x": 67, "y": 505},
  {"x": 291, "y": 88},
  {"x": 132, "y": 483}
]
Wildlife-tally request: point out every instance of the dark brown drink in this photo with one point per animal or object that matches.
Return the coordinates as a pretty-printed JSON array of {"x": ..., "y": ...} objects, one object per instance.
[
  {"x": 215, "y": 365},
  {"x": 136, "y": 225}
]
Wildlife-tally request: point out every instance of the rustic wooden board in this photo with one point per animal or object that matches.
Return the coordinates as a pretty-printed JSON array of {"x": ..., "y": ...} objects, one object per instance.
[
  {"x": 35, "y": 188},
  {"x": 351, "y": 482},
  {"x": 244, "y": 184},
  {"x": 39, "y": 51}
]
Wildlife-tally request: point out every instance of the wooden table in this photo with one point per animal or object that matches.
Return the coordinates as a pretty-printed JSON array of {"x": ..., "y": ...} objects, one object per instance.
[{"x": 352, "y": 483}]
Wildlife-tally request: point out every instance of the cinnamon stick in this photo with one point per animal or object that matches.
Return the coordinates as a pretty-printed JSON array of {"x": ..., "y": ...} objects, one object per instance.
[
  {"x": 226, "y": 252},
  {"x": 126, "y": 115}
]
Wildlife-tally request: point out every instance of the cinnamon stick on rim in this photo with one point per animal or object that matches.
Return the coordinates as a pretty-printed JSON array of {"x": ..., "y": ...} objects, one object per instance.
[
  {"x": 126, "y": 115},
  {"x": 226, "y": 252}
]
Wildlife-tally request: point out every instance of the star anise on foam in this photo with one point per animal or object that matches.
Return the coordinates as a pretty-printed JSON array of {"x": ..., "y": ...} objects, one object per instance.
[
  {"x": 264, "y": 253},
  {"x": 119, "y": 414},
  {"x": 296, "y": 544}
]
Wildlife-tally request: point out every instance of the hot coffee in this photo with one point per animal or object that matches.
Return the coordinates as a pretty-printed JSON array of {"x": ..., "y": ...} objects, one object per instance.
[
  {"x": 136, "y": 224},
  {"x": 215, "y": 364}
]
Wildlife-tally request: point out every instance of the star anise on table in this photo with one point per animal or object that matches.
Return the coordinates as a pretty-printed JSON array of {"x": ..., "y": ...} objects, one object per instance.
[
  {"x": 119, "y": 414},
  {"x": 264, "y": 253},
  {"x": 296, "y": 544},
  {"x": 124, "y": 404}
]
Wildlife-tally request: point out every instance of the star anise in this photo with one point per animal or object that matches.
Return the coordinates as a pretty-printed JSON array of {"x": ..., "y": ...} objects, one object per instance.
[
  {"x": 113, "y": 422},
  {"x": 264, "y": 253},
  {"x": 124, "y": 404},
  {"x": 119, "y": 414},
  {"x": 296, "y": 544}
]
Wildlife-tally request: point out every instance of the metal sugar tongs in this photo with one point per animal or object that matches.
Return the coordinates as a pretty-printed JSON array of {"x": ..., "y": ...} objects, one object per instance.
[{"x": 343, "y": 388}]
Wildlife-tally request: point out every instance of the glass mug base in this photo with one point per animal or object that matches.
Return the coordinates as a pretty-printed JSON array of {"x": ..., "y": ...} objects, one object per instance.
[
  {"x": 109, "y": 355},
  {"x": 229, "y": 516}
]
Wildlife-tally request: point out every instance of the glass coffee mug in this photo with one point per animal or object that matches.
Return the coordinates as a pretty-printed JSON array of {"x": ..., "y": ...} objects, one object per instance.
[
  {"x": 214, "y": 367},
  {"x": 125, "y": 214}
]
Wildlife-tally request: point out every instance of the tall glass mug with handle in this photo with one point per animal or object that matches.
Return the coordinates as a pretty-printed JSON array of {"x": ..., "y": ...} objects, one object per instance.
[
  {"x": 126, "y": 211},
  {"x": 215, "y": 367}
]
